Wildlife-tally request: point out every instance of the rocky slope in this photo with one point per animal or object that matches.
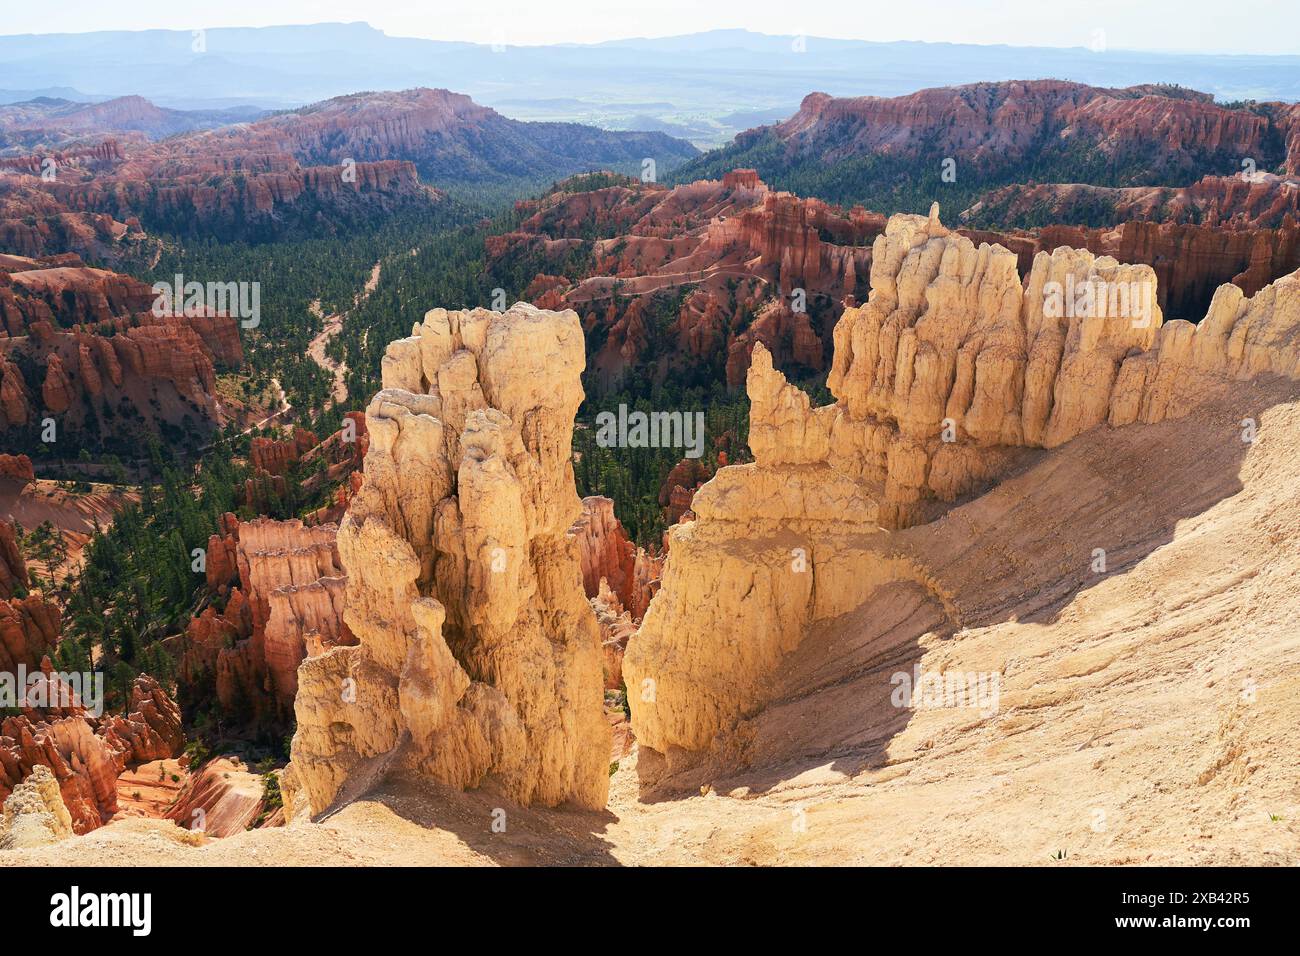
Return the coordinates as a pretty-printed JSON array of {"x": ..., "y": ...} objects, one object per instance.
[
  {"x": 1263, "y": 201},
  {"x": 449, "y": 138},
  {"x": 478, "y": 660},
  {"x": 223, "y": 798},
  {"x": 993, "y": 124},
  {"x": 958, "y": 143},
  {"x": 336, "y": 165},
  {"x": 943, "y": 380}
]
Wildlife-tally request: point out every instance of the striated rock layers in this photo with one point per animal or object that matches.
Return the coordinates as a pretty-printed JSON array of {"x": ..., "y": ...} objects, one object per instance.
[
  {"x": 279, "y": 587},
  {"x": 223, "y": 798},
  {"x": 479, "y": 659},
  {"x": 948, "y": 374}
]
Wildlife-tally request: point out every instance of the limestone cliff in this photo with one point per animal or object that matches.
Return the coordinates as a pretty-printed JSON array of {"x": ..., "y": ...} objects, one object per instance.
[
  {"x": 478, "y": 660},
  {"x": 943, "y": 380}
]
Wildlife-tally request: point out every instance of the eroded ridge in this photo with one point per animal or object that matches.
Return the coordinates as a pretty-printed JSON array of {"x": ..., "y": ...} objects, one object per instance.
[{"x": 942, "y": 381}]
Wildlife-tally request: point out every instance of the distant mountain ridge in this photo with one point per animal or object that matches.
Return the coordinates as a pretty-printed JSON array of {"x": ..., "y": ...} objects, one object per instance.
[
  {"x": 47, "y": 120},
  {"x": 700, "y": 79},
  {"x": 957, "y": 145},
  {"x": 328, "y": 167}
]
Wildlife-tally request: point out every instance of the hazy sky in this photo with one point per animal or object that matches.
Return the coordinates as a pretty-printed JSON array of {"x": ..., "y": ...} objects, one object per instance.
[{"x": 1236, "y": 26}]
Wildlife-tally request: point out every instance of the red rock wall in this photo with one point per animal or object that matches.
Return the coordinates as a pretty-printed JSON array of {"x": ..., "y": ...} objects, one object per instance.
[
  {"x": 606, "y": 554},
  {"x": 286, "y": 603}
]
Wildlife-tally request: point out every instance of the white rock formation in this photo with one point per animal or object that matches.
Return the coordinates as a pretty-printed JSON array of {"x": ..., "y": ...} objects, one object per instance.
[
  {"x": 34, "y": 814},
  {"x": 479, "y": 658},
  {"x": 942, "y": 380}
]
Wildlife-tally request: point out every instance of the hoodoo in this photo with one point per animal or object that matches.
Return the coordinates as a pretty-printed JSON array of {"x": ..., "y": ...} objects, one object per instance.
[
  {"x": 479, "y": 660},
  {"x": 944, "y": 380}
]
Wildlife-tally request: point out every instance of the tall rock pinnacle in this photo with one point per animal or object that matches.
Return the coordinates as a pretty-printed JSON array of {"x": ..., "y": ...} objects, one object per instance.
[{"x": 479, "y": 657}]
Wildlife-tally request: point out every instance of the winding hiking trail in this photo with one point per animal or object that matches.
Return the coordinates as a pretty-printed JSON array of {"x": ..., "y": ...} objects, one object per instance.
[{"x": 333, "y": 324}]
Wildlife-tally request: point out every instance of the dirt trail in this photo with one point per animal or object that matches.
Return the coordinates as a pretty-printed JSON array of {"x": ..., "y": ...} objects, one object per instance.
[
  {"x": 1148, "y": 714},
  {"x": 333, "y": 325}
]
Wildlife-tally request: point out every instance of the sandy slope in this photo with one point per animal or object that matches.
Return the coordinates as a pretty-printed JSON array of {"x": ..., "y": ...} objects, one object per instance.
[
  {"x": 1149, "y": 714},
  {"x": 75, "y": 514}
]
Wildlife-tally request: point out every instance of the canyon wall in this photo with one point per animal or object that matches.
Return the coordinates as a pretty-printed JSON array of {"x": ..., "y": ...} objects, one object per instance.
[
  {"x": 82, "y": 346},
  {"x": 943, "y": 380},
  {"x": 277, "y": 595},
  {"x": 478, "y": 660}
]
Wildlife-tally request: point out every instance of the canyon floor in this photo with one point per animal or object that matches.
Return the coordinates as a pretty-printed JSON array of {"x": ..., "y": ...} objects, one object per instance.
[{"x": 1148, "y": 714}]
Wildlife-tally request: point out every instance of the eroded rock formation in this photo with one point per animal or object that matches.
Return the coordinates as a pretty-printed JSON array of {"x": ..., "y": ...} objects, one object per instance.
[
  {"x": 86, "y": 754},
  {"x": 34, "y": 814},
  {"x": 29, "y": 627},
  {"x": 949, "y": 371},
  {"x": 732, "y": 252},
  {"x": 479, "y": 659},
  {"x": 1190, "y": 260},
  {"x": 280, "y": 588},
  {"x": 13, "y": 569},
  {"x": 84, "y": 347},
  {"x": 606, "y": 553},
  {"x": 618, "y": 577}
]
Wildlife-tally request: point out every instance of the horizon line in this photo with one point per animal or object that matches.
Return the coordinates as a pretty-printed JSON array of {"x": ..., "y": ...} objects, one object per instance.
[{"x": 667, "y": 36}]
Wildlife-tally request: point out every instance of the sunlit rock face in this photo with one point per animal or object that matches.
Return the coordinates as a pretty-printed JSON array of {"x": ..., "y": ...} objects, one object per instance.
[
  {"x": 943, "y": 380},
  {"x": 479, "y": 661}
]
